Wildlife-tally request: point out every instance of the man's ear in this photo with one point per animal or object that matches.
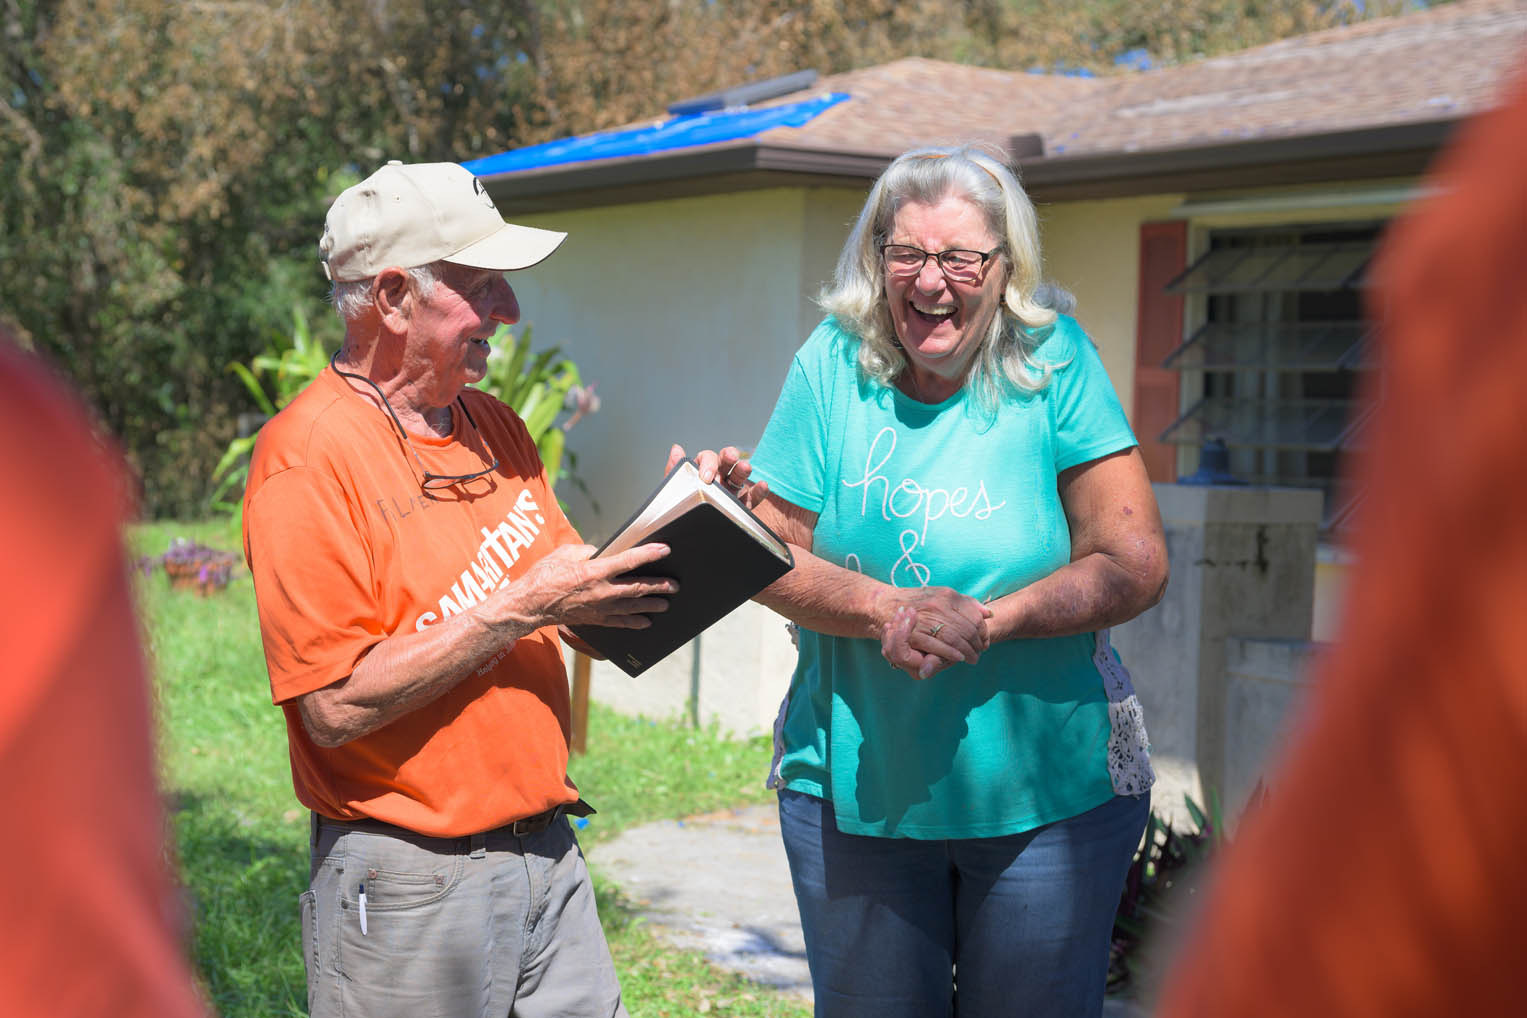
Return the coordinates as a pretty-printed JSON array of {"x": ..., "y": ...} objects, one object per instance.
[{"x": 392, "y": 295}]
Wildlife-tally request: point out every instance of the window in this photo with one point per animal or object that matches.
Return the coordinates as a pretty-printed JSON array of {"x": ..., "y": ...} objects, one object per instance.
[{"x": 1276, "y": 360}]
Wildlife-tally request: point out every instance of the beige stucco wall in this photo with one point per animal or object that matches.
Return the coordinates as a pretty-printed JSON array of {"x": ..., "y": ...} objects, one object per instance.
[
  {"x": 830, "y": 214},
  {"x": 1332, "y": 567},
  {"x": 686, "y": 314},
  {"x": 1092, "y": 248}
]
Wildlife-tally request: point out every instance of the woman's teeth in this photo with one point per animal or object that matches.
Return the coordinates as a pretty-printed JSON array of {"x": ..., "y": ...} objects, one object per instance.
[{"x": 937, "y": 310}]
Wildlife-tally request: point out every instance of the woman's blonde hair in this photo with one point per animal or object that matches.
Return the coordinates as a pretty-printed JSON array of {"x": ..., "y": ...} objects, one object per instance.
[{"x": 1028, "y": 307}]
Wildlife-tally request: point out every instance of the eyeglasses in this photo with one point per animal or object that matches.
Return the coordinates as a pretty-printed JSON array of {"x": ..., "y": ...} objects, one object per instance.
[
  {"x": 958, "y": 263},
  {"x": 431, "y": 481}
]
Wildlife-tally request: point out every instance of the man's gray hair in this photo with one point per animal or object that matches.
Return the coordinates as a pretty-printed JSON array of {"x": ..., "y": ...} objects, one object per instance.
[
  {"x": 351, "y": 300},
  {"x": 1028, "y": 306}
]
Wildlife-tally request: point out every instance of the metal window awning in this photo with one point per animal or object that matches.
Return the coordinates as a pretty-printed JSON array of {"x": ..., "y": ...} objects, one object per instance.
[
  {"x": 1263, "y": 269},
  {"x": 1344, "y": 502},
  {"x": 1273, "y": 346},
  {"x": 1307, "y": 425}
]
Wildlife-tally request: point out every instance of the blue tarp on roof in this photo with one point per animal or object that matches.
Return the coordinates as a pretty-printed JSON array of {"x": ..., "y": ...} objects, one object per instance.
[{"x": 680, "y": 132}]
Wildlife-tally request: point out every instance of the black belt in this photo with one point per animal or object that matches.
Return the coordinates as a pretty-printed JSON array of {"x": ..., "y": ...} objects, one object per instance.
[
  {"x": 541, "y": 821},
  {"x": 519, "y": 828}
]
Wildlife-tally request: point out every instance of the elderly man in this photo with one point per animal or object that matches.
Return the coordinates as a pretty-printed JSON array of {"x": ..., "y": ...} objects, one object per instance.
[{"x": 412, "y": 570}]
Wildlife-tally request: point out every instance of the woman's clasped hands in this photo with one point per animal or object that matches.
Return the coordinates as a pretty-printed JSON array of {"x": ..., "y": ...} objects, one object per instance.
[{"x": 931, "y": 628}]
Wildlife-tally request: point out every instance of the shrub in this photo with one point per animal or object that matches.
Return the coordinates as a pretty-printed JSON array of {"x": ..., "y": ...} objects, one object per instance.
[
  {"x": 1167, "y": 869},
  {"x": 539, "y": 386}
]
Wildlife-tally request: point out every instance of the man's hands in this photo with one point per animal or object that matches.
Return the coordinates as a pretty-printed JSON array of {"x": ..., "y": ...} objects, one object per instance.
[
  {"x": 728, "y": 465},
  {"x": 931, "y": 628},
  {"x": 926, "y": 629},
  {"x": 407, "y": 670},
  {"x": 570, "y": 588}
]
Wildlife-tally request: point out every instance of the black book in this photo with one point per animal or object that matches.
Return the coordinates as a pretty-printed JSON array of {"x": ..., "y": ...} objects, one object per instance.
[{"x": 720, "y": 553}]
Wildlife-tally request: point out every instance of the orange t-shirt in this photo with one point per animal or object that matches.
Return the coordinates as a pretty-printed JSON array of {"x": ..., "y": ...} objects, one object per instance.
[
  {"x": 1384, "y": 875},
  {"x": 346, "y": 550},
  {"x": 88, "y": 916}
]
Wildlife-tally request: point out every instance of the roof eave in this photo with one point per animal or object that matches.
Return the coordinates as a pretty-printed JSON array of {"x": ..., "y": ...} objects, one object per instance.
[
  {"x": 731, "y": 166},
  {"x": 1364, "y": 153},
  {"x": 1358, "y": 154}
]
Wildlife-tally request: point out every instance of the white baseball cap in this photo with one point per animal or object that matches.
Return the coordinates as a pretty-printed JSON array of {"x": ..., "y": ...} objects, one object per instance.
[{"x": 412, "y": 214}]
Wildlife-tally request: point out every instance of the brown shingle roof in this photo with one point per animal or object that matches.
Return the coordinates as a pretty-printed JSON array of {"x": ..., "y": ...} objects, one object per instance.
[
  {"x": 1367, "y": 100},
  {"x": 912, "y": 102},
  {"x": 1439, "y": 64}
]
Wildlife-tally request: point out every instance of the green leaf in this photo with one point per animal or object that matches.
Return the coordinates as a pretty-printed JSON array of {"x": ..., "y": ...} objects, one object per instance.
[
  {"x": 255, "y": 389},
  {"x": 1133, "y": 927},
  {"x": 550, "y": 448},
  {"x": 293, "y": 368},
  {"x": 1195, "y": 812},
  {"x": 541, "y": 412},
  {"x": 239, "y": 447}
]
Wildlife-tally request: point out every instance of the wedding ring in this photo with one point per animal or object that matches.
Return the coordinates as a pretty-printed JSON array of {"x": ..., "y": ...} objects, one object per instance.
[{"x": 933, "y": 630}]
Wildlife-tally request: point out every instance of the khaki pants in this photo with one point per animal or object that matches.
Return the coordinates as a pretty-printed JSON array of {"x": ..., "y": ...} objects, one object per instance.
[{"x": 488, "y": 925}]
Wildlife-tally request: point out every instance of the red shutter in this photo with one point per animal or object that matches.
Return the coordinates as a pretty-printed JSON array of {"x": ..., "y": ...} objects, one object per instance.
[{"x": 1163, "y": 254}]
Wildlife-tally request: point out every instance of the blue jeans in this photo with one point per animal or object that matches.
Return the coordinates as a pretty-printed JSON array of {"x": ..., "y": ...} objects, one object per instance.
[{"x": 1022, "y": 923}]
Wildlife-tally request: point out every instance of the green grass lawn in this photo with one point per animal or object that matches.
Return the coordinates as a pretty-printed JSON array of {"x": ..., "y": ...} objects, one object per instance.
[{"x": 242, "y": 837}]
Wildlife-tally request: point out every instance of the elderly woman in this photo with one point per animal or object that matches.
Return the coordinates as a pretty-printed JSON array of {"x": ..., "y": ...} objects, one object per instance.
[{"x": 961, "y": 758}]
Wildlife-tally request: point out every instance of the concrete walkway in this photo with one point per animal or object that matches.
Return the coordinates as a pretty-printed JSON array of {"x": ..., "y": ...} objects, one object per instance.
[{"x": 718, "y": 884}]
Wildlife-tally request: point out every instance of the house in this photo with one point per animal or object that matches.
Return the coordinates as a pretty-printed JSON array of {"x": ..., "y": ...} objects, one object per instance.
[{"x": 1212, "y": 219}]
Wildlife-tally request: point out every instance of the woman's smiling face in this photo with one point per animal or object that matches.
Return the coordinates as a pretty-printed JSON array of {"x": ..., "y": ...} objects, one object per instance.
[{"x": 941, "y": 322}]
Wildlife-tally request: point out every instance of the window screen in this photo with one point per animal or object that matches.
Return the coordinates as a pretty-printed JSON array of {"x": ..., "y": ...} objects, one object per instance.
[{"x": 1279, "y": 355}]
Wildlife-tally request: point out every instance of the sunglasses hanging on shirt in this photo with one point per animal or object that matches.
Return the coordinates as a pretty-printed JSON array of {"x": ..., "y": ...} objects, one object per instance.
[{"x": 432, "y": 481}]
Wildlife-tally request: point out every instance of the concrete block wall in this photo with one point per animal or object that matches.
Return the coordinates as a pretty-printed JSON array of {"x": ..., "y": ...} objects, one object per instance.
[
  {"x": 1265, "y": 682},
  {"x": 1243, "y": 565}
]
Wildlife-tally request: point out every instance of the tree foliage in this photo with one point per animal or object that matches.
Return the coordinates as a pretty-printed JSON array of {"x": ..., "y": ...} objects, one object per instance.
[
  {"x": 1094, "y": 34},
  {"x": 604, "y": 63},
  {"x": 167, "y": 170},
  {"x": 164, "y": 168}
]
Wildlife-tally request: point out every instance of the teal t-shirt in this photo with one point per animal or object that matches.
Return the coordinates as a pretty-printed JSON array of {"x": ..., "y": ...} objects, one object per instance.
[{"x": 952, "y": 495}]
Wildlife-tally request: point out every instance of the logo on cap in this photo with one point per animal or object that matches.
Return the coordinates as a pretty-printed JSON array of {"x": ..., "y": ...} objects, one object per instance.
[{"x": 477, "y": 185}]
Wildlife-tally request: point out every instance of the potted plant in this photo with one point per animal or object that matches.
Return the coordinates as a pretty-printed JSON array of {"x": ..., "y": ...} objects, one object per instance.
[{"x": 192, "y": 566}]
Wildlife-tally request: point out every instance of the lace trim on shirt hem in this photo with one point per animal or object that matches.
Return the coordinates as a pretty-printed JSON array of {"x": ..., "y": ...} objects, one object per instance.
[
  {"x": 1129, "y": 762},
  {"x": 774, "y": 781}
]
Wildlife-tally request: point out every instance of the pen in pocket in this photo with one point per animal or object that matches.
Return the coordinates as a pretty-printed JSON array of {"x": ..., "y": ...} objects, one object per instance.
[{"x": 363, "y": 909}]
